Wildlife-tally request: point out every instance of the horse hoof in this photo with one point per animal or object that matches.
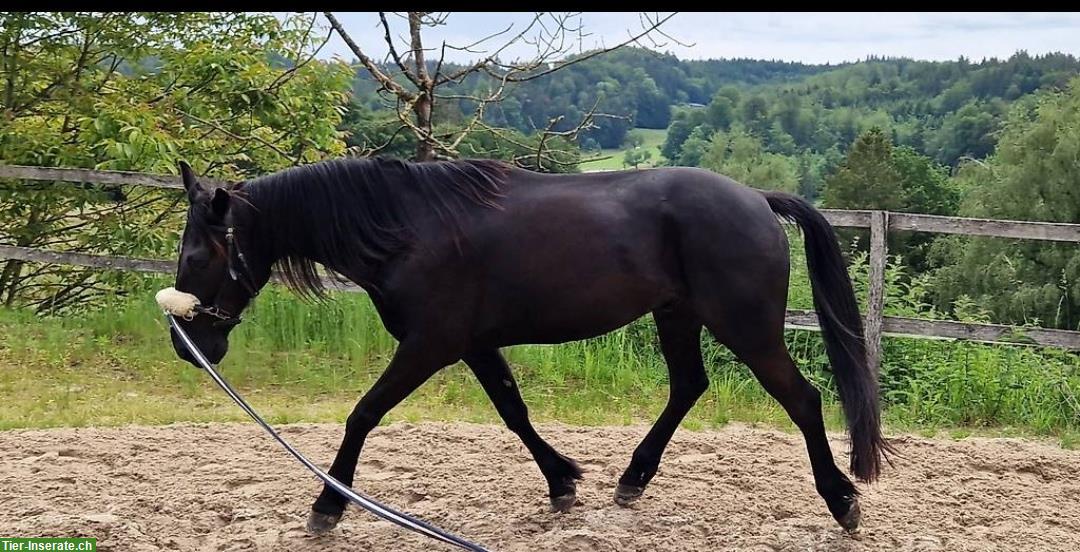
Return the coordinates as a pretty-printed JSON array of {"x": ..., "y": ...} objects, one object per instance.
[
  {"x": 627, "y": 494},
  {"x": 563, "y": 503},
  {"x": 850, "y": 520},
  {"x": 319, "y": 523}
]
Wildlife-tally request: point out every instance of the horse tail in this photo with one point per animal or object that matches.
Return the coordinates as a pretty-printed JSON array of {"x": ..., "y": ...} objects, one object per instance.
[{"x": 841, "y": 327}]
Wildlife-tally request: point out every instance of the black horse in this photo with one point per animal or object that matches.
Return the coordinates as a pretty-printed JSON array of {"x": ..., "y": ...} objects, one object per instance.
[{"x": 461, "y": 258}]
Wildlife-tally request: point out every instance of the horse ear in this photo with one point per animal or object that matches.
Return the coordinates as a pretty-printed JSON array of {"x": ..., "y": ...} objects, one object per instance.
[
  {"x": 191, "y": 184},
  {"x": 219, "y": 203}
]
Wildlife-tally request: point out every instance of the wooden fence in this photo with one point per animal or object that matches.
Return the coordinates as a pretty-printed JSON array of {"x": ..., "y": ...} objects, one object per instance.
[{"x": 878, "y": 222}]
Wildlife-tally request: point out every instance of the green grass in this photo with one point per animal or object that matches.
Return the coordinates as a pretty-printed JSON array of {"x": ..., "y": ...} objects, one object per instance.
[
  {"x": 303, "y": 362},
  {"x": 310, "y": 362},
  {"x": 654, "y": 140}
]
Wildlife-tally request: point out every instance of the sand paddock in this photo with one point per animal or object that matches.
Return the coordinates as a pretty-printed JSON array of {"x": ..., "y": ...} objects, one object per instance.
[{"x": 230, "y": 487}]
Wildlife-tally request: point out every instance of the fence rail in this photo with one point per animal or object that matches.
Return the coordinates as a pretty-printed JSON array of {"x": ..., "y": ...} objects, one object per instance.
[
  {"x": 93, "y": 176},
  {"x": 1018, "y": 229},
  {"x": 878, "y": 222},
  {"x": 132, "y": 264},
  {"x": 901, "y": 326}
]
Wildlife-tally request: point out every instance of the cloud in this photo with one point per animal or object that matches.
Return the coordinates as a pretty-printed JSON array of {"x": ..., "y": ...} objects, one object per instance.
[{"x": 807, "y": 37}]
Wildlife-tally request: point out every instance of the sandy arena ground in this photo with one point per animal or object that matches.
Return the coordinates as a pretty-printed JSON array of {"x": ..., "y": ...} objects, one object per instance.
[{"x": 230, "y": 487}]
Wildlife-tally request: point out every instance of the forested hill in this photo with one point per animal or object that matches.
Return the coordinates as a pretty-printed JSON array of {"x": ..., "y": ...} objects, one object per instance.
[
  {"x": 634, "y": 82},
  {"x": 878, "y": 134},
  {"x": 944, "y": 109}
]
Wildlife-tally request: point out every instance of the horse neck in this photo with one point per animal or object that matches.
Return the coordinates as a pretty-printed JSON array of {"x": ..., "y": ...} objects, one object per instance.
[{"x": 281, "y": 229}]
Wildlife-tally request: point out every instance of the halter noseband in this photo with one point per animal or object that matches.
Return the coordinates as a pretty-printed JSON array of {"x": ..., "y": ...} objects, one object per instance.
[{"x": 224, "y": 318}]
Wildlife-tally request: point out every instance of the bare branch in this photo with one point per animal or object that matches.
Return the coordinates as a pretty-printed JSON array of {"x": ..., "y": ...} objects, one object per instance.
[
  {"x": 393, "y": 51},
  {"x": 415, "y": 24},
  {"x": 651, "y": 23},
  {"x": 365, "y": 152},
  {"x": 384, "y": 80},
  {"x": 438, "y": 66},
  {"x": 552, "y": 35},
  {"x": 491, "y": 58},
  {"x": 470, "y": 47},
  {"x": 557, "y": 66}
]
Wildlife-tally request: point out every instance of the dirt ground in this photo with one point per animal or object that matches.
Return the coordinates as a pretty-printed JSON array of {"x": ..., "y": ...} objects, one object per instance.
[{"x": 230, "y": 487}]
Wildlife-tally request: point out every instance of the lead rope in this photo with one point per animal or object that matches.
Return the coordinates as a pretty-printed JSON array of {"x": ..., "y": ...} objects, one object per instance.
[{"x": 385, "y": 512}]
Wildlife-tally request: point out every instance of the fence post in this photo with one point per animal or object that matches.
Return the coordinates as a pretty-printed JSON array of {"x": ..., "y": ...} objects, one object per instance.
[{"x": 875, "y": 310}]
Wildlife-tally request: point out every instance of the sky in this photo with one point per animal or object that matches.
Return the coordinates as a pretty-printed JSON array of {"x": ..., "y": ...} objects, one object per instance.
[{"x": 806, "y": 37}]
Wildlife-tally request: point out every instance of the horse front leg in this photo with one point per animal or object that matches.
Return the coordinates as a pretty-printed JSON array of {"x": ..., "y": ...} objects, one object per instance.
[
  {"x": 680, "y": 341},
  {"x": 414, "y": 362},
  {"x": 561, "y": 472}
]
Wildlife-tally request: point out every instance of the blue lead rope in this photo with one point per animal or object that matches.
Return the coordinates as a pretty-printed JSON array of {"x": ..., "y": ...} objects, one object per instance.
[{"x": 364, "y": 502}]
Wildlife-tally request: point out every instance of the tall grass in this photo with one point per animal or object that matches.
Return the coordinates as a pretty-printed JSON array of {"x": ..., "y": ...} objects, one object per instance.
[{"x": 301, "y": 361}]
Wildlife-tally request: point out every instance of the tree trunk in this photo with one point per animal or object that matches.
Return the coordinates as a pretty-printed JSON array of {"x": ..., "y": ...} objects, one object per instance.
[
  {"x": 425, "y": 148},
  {"x": 11, "y": 280},
  {"x": 425, "y": 145}
]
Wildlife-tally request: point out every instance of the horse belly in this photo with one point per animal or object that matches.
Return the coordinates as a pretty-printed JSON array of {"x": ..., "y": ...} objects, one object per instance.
[
  {"x": 580, "y": 292},
  {"x": 573, "y": 263}
]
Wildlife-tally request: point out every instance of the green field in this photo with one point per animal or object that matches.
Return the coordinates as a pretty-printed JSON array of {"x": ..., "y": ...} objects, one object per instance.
[{"x": 654, "y": 140}]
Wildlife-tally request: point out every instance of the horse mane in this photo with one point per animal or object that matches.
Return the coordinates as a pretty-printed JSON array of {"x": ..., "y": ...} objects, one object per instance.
[{"x": 366, "y": 209}]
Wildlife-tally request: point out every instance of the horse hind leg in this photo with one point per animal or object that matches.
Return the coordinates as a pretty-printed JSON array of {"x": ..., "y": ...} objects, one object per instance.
[{"x": 762, "y": 348}]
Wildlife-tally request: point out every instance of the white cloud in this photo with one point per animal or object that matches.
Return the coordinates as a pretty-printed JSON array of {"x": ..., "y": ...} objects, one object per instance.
[{"x": 807, "y": 37}]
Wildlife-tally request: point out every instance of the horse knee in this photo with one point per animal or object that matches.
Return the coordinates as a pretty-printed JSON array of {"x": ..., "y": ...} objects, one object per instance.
[
  {"x": 360, "y": 422},
  {"x": 699, "y": 386},
  {"x": 805, "y": 407},
  {"x": 518, "y": 423},
  {"x": 690, "y": 389},
  {"x": 809, "y": 397}
]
